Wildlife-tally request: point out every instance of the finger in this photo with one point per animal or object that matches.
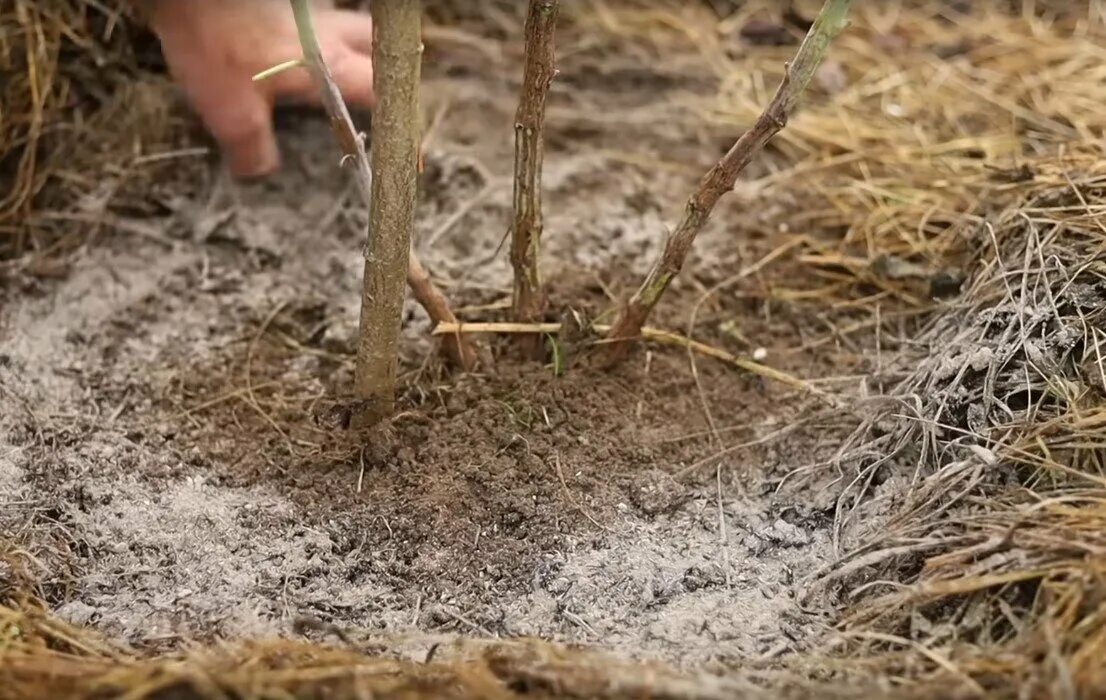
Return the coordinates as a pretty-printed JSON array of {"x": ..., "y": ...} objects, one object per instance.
[
  {"x": 253, "y": 155},
  {"x": 352, "y": 73},
  {"x": 354, "y": 29},
  {"x": 354, "y": 76},
  {"x": 295, "y": 86},
  {"x": 241, "y": 121}
]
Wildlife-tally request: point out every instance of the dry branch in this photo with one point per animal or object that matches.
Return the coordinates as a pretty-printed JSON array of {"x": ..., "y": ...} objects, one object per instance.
[
  {"x": 721, "y": 178},
  {"x": 340, "y": 121},
  {"x": 457, "y": 346},
  {"x": 381, "y": 303},
  {"x": 538, "y": 71}
]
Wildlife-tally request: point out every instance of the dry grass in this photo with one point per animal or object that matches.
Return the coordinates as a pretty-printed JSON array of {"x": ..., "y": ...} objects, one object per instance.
[
  {"x": 43, "y": 657},
  {"x": 935, "y": 148},
  {"x": 919, "y": 128},
  {"x": 995, "y": 429},
  {"x": 964, "y": 149},
  {"x": 83, "y": 124}
]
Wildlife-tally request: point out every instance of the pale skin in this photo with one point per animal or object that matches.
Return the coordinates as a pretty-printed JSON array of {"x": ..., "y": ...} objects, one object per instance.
[{"x": 214, "y": 48}]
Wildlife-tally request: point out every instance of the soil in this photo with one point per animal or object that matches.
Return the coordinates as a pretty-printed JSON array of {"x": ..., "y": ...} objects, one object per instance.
[{"x": 170, "y": 444}]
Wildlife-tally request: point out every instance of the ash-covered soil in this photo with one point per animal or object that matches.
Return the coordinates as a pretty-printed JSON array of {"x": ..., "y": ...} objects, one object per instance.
[{"x": 169, "y": 458}]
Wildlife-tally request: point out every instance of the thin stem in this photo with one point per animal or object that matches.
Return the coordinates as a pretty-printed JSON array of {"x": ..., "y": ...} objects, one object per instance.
[
  {"x": 278, "y": 69},
  {"x": 721, "y": 178},
  {"x": 460, "y": 351},
  {"x": 398, "y": 57},
  {"x": 528, "y": 300},
  {"x": 381, "y": 303},
  {"x": 655, "y": 334},
  {"x": 340, "y": 120}
]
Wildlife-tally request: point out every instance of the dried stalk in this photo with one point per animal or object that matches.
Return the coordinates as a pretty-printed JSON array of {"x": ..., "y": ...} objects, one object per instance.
[
  {"x": 721, "y": 178},
  {"x": 655, "y": 334},
  {"x": 456, "y": 345},
  {"x": 528, "y": 300},
  {"x": 375, "y": 376},
  {"x": 353, "y": 146}
]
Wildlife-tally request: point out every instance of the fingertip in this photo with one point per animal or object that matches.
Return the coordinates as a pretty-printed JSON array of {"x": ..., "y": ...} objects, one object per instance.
[
  {"x": 257, "y": 158},
  {"x": 243, "y": 126},
  {"x": 252, "y": 155}
]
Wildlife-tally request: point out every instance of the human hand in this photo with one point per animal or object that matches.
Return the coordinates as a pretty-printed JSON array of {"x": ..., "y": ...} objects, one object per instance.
[{"x": 214, "y": 48}]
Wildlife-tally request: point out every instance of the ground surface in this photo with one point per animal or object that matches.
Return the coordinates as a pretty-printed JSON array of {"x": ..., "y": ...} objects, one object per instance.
[
  {"x": 923, "y": 243},
  {"x": 169, "y": 453}
]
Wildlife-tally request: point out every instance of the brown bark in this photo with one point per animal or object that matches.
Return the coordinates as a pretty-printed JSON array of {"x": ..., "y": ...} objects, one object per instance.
[
  {"x": 459, "y": 349},
  {"x": 528, "y": 299},
  {"x": 398, "y": 57},
  {"x": 721, "y": 178},
  {"x": 456, "y": 346}
]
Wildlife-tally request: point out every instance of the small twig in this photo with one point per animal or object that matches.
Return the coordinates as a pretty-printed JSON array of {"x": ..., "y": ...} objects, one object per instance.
[
  {"x": 458, "y": 617},
  {"x": 568, "y": 494},
  {"x": 353, "y": 145},
  {"x": 120, "y": 408},
  {"x": 722, "y": 539},
  {"x": 721, "y": 178},
  {"x": 734, "y": 279},
  {"x": 538, "y": 72},
  {"x": 775, "y": 434},
  {"x": 843, "y": 569},
  {"x": 307, "y": 623},
  {"x": 223, "y": 399},
  {"x": 494, "y": 327},
  {"x": 361, "y": 472},
  {"x": 455, "y": 217},
  {"x": 655, "y": 334},
  {"x": 279, "y": 68},
  {"x": 459, "y": 350},
  {"x": 251, "y": 399}
]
